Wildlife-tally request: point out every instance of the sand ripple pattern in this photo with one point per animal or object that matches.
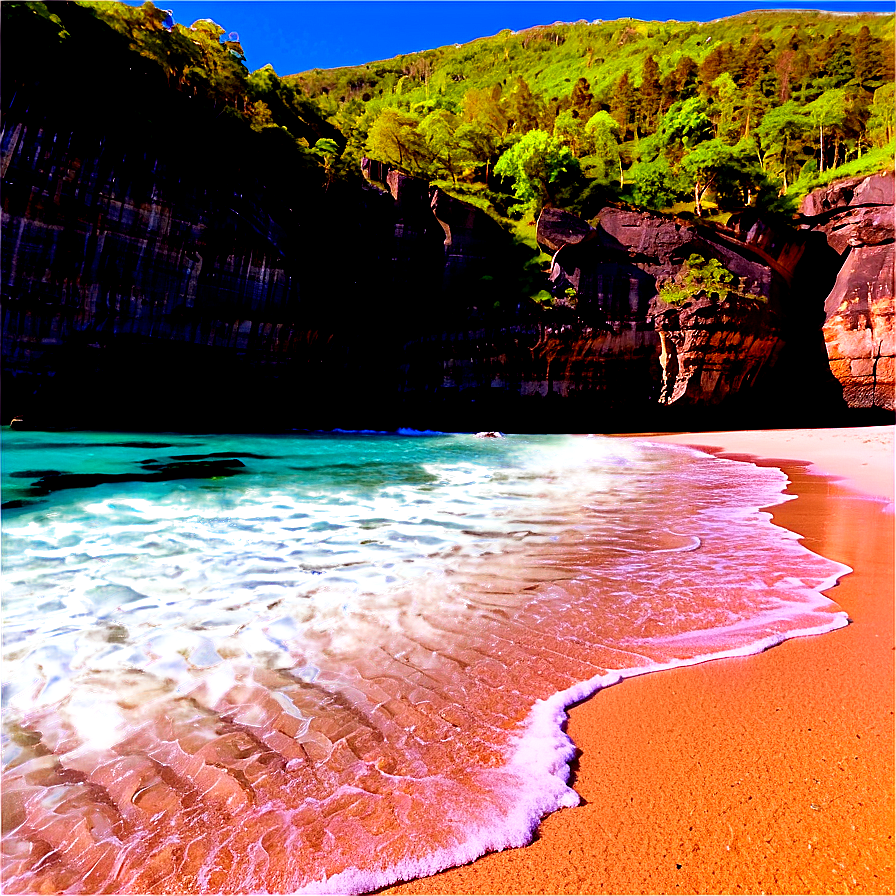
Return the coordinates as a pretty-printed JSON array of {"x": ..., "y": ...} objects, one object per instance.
[{"x": 328, "y": 680}]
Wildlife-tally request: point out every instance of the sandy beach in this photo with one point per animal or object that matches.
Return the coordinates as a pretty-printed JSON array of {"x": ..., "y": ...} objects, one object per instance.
[{"x": 766, "y": 774}]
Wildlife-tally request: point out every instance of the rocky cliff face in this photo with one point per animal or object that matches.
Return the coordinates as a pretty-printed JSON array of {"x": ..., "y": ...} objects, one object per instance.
[
  {"x": 856, "y": 219},
  {"x": 148, "y": 288},
  {"x": 145, "y": 289},
  {"x": 525, "y": 361},
  {"x": 130, "y": 282},
  {"x": 710, "y": 347}
]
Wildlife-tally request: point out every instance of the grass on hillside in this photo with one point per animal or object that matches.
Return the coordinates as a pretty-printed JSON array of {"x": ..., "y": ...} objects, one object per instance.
[
  {"x": 551, "y": 58},
  {"x": 877, "y": 159}
]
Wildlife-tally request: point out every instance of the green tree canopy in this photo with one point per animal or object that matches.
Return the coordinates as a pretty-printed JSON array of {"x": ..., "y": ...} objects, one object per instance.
[
  {"x": 828, "y": 111},
  {"x": 881, "y": 122},
  {"x": 535, "y": 164},
  {"x": 447, "y": 153},
  {"x": 684, "y": 126},
  {"x": 570, "y": 129},
  {"x": 482, "y": 107},
  {"x": 523, "y": 108},
  {"x": 712, "y": 161},
  {"x": 603, "y": 132},
  {"x": 656, "y": 184},
  {"x": 394, "y": 138},
  {"x": 729, "y": 102},
  {"x": 780, "y": 130}
]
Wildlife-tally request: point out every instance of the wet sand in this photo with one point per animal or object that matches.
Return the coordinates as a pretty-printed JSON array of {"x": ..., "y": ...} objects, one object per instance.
[{"x": 765, "y": 774}]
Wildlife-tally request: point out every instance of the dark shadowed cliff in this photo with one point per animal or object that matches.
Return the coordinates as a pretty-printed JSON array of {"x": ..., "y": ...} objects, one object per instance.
[{"x": 166, "y": 266}]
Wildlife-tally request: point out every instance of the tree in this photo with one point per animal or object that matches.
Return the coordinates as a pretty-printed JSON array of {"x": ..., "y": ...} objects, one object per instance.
[
  {"x": 394, "y": 138},
  {"x": 681, "y": 82},
  {"x": 779, "y": 132},
  {"x": 603, "y": 131},
  {"x": 570, "y": 129},
  {"x": 483, "y": 109},
  {"x": 828, "y": 111},
  {"x": 834, "y": 60},
  {"x": 656, "y": 184},
  {"x": 535, "y": 163},
  {"x": 717, "y": 61},
  {"x": 709, "y": 162},
  {"x": 221, "y": 74},
  {"x": 581, "y": 99},
  {"x": 623, "y": 104},
  {"x": 651, "y": 94},
  {"x": 800, "y": 74},
  {"x": 867, "y": 60},
  {"x": 329, "y": 152},
  {"x": 447, "y": 153},
  {"x": 482, "y": 145},
  {"x": 728, "y": 103},
  {"x": 522, "y": 107},
  {"x": 684, "y": 126},
  {"x": 881, "y": 122}
]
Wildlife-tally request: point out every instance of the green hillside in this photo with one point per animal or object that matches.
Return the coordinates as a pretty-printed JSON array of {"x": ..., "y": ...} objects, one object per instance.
[
  {"x": 752, "y": 110},
  {"x": 744, "y": 110},
  {"x": 552, "y": 57}
]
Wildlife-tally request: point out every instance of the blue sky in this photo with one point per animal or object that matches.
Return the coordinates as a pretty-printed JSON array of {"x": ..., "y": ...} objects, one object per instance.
[{"x": 297, "y": 35}]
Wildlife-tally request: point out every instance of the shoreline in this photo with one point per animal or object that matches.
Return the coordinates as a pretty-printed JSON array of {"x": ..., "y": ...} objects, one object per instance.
[{"x": 768, "y": 773}]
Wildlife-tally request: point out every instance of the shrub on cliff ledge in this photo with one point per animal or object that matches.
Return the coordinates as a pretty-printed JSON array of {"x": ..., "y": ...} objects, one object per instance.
[{"x": 700, "y": 275}]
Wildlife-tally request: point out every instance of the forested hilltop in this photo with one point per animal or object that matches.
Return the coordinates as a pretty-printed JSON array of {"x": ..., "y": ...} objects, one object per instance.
[
  {"x": 753, "y": 108},
  {"x": 756, "y": 109}
]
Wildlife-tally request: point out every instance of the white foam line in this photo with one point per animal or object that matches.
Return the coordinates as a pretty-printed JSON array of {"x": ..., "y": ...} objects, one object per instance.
[
  {"x": 541, "y": 758},
  {"x": 542, "y": 754}
]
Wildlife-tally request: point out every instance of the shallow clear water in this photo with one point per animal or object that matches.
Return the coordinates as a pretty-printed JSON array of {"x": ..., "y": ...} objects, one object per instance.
[{"x": 269, "y": 663}]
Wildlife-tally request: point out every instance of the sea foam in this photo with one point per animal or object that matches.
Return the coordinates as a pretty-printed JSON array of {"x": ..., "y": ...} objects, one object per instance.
[{"x": 350, "y": 664}]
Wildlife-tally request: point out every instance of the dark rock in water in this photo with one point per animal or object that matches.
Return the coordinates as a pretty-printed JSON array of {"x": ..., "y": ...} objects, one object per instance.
[
  {"x": 856, "y": 218},
  {"x": 218, "y": 454},
  {"x": 33, "y": 474},
  {"x": 55, "y": 482},
  {"x": 134, "y": 444},
  {"x": 178, "y": 465}
]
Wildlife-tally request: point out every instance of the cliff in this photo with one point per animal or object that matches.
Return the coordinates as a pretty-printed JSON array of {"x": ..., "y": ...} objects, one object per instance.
[
  {"x": 856, "y": 219},
  {"x": 178, "y": 253},
  {"x": 162, "y": 288},
  {"x": 753, "y": 339}
]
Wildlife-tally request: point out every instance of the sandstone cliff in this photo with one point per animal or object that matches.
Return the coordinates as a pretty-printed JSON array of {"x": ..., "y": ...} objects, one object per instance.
[
  {"x": 158, "y": 288},
  {"x": 712, "y": 346},
  {"x": 856, "y": 218}
]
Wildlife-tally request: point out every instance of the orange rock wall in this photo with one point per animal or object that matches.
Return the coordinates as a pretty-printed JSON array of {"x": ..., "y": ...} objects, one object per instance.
[{"x": 856, "y": 216}]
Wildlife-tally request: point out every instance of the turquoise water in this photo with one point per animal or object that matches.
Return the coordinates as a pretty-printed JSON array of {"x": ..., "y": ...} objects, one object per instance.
[{"x": 269, "y": 663}]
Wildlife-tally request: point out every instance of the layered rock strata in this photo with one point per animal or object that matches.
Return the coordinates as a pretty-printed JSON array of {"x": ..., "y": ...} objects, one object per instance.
[
  {"x": 856, "y": 219},
  {"x": 143, "y": 289},
  {"x": 712, "y": 347}
]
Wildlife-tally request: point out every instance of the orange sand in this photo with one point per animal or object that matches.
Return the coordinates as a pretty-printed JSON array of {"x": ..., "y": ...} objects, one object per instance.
[{"x": 765, "y": 774}]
